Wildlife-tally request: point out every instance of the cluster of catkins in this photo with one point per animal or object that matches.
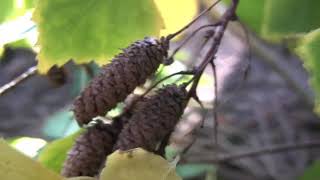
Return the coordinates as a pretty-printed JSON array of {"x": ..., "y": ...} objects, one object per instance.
[{"x": 146, "y": 122}]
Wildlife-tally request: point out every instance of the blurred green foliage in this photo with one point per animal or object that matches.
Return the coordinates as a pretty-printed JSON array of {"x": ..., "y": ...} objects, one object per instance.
[
  {"x": 285, "y": 18},
  {"x": 11, "y": 9},
  {"x": 312, "y": 173},
  {"x": 195, "y": 170}
]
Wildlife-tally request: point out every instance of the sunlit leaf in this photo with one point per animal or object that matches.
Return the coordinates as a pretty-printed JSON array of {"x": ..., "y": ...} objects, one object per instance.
[
  {"x": 55, "y": 153},
  {"x": 16, "y": 166},
  {"x": 6, "y": 8},
  {"x": 176, "y": 13},
  {"x": 91, "y": 30},
  {"x": 290, "y": 17},
  {"x": 28, "y": 146},
  {"x": 10, "y": 9},
  {"x": 308, "y": 50},
  {"x": 138, "y": 164}
]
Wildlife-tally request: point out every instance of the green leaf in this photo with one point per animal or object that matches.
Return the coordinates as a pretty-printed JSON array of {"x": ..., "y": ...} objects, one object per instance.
[
  {"x": 251, "y": 12},
  {"x": 312, "y": 173},
  {"x": 93, "y": 29},
  {"x": 16, "y": 166},
  {"x": 285, "y": 18},
  {"x": 55, "y": 153},
  {"x": 309, "y": 50}
]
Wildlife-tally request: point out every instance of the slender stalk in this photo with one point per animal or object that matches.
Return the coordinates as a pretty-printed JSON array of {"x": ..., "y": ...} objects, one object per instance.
[
  {"x": 171, "y": 36},
  {"x": 215, "y": 104},
  {"x": 217, "y": 37},
  {"x": 254, "y": 153},
  {"x": 165, "y": 78},
  {"x": 30, "y": 72},
  {"x": 191, "y": 36}
]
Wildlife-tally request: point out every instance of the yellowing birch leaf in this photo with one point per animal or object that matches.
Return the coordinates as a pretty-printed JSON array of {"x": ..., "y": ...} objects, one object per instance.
[
  {"x": 16, "y": 166},
  {"x": 137, "y": 164}
]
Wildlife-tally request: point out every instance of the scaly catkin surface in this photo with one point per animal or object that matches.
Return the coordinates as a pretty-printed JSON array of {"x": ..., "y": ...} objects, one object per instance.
[
  {"x": 84, "y": 159},
  {"x": 118, "y": 79},
  {"x": 90, "y": 149},
  {"x": 155, "y": 120}
]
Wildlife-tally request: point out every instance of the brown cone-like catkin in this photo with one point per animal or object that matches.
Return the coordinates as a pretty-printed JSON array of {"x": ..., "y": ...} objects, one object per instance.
[
  {"x": 155, "y": 120},
  {"x": 90, "y": 150},
  {"x": 118, "y": 79}
]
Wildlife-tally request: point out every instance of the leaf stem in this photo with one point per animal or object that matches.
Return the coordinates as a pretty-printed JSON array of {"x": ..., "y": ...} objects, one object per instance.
[
  {"x": 258, "y": 152},
  {"x": 171, "y": 36},
  {"x": 217, "y": 37}
]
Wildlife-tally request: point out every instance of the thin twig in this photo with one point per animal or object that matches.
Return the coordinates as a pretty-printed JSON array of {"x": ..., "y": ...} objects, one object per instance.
[
  {"x": 215, "y": 104},
  {"x": 217, "y": 37},
  {"x": 165, "y": 78},
  {"x": 185, "y": 41},
  {"x": 296, "y": 79},
  {"x": 254, "y": 153},
  {"x": 170, "y": 36},
  {"x": 30, "y": 72}
]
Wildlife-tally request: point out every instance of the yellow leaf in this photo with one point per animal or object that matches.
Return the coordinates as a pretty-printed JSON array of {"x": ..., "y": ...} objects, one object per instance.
[
  {"x": 176, "y": 13},
  {"x": 16, "y": 166},
  {"x": 138, "y": 164}
]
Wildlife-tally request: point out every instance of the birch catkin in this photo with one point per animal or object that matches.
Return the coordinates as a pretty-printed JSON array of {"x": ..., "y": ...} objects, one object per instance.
[
  {"x": 88, "y": 154},
  {"x": 155, "y": 120},
  {"x": 118, "y": 79}
]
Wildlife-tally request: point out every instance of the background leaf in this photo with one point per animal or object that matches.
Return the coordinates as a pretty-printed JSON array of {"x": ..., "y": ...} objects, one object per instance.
[
  {"x": 55, "y": 153},
  {"x": 87, "y": 30},
  {"x": 194, "y": 170},
  {"x": 290, "y": 17},
  {"x": 312, "y": 173},
  {"x": 14, "y": 165},
  {"x": 251, "y": 12},
  {"x": 308, "y": 50}
]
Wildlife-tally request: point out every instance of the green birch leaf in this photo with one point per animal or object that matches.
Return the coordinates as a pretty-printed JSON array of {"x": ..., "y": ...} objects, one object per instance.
[
  {"x": 309, "y": 50},
  {"x": 91, "y": 30}
]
